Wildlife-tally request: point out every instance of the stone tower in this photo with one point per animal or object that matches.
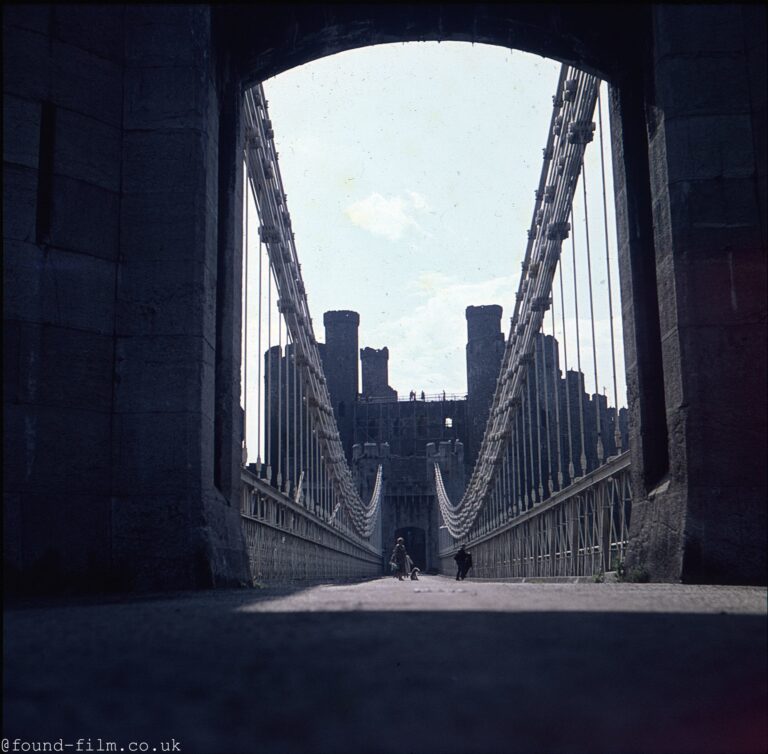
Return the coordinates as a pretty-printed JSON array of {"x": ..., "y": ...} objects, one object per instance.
[
  {"x": 375, "y": 368},
  {"x": 340, "y": 364},
  {"x": 485, "y": 348}
]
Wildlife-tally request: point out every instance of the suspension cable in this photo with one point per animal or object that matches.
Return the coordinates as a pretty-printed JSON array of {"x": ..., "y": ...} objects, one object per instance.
[
  {"x": 583, "y": 458},
  {"x": 617, "y": 431},
  {"x": 245, "y": 325},
  {"x": 600, "y": 453}
]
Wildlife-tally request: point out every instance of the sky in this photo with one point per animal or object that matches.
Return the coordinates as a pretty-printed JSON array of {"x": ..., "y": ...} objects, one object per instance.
[{"x": 410, "y": 171}]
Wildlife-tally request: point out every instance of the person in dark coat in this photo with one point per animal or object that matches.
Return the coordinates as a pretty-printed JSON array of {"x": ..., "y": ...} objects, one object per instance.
[
  {"x": 400, "y": 559},
  {"x": 461, "y": 558},
  {"x": 467, "y": 564}
]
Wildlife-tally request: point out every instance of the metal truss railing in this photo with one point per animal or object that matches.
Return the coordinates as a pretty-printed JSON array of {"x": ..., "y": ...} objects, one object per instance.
[
  {"x": 286, "y": 543},
  {"x": 580, "y": 531}
]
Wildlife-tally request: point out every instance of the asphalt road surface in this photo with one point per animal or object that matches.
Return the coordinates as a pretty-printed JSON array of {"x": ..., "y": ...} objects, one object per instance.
[{"x": 387, "y": 667}]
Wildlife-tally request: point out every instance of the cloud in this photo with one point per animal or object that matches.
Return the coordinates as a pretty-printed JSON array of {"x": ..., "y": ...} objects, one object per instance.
[{"x": 390, "y": 217}]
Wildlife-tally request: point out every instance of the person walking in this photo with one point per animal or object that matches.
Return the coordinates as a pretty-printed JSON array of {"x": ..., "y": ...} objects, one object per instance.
[
  {"x": 463, "y": 560},
  {"x": 399, "y": 559},
  {"x": 467, "y": 564}
]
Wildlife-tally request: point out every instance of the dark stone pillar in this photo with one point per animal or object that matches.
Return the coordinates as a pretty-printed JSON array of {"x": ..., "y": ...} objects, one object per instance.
[
  {"x": 62, "y": 130},
  {"x": 703, "y": 517}
]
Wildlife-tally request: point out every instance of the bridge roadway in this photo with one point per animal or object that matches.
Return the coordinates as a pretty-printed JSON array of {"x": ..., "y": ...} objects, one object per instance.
[{"x": 396, "y": 667}]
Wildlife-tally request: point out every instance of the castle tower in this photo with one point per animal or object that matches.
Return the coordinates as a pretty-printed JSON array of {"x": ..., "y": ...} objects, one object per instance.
[
  {"x": 485, "y": 348},
  {"x": 375, "y": 368},
  {"x": 340, "y": 364}
]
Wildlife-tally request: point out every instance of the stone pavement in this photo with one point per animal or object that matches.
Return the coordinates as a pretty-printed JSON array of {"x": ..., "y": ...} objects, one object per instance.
[{"x": 396, "y": 667}]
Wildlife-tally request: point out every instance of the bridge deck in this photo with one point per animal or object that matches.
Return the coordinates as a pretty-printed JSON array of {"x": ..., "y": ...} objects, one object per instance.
[{"x": 387, "y": 666}]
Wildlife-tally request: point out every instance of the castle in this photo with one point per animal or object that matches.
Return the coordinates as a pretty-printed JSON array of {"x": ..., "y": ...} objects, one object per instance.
[{"x": 407, "y": 435}]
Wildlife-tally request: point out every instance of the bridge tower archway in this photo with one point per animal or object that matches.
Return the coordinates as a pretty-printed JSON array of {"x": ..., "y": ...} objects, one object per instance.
[
  {"x": 676, "y": 514},
  {"x": 125, "y": 502},
  {"x": 415, "y": 544}
]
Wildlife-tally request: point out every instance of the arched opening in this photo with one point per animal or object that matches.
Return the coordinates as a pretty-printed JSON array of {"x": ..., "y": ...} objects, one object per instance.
[
  {"x": 415, "y": 544},
  {"x": 427, "y": 411},
  {"x": 164, "y": 445}
]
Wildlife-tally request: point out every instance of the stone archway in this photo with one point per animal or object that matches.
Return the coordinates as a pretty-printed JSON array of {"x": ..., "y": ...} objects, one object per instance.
[
  {"x": 122, "y": 176},
  {"x": 689, "y": 513}
]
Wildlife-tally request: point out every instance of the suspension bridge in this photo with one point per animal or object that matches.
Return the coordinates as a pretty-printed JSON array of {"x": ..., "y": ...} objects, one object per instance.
[
  {"x": 548, "y": 494},
  {"x": 134, "y": 143}
]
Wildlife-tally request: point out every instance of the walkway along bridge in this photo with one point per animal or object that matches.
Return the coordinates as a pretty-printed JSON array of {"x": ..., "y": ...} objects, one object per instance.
[{"x": 549, "y": 494}]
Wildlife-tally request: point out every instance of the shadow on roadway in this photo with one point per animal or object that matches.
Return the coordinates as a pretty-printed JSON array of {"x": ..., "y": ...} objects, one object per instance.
[{"x": 381, "y": 682}]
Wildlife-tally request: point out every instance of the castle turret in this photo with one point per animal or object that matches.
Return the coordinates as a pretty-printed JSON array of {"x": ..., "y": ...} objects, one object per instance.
[
  {"x": 375, "y": 370},
  {"x": 340, "y": 364},
  {"x": 485, "y": 348}
]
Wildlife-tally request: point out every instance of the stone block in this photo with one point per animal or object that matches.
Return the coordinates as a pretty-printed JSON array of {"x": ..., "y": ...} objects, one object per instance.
[
  {"x": 65, "y": 367},
  {"x": 160, "y": 373},
  {"x": 21, "y": 131},
  {"x": 726, "y": 456},
  {"x": 694, "y": 29},
  {"x": 66, "y": 540},
  {"x": 667, "y": 292},
  {"x": 729, "y": 525},
  {"x": 22, "y": 272},
  {"x": 167, "y": 226},
  {"x": 11, "y": 336},
  {"x": 28, "y": 16},
  {"x": 56, "y": 450},
  {"x": 656, "y": 535},
  {"x": 674, "y": 396},
  {"x": 724, "y": 371},
  {"x": 99, "y": 29},
  {"x": 162, "y": 35},
  {"x": 87, "y": 84},
  {"x": 157, "y": 453},
  {"x": 727, "y": 290},
  {"x": 208, "y": 406},
  {"x": 165, "y": 297},
  {"x": 159, "y": 162},
  {"x": 26, "y": 63},
  {"x": 19, "y": 203},
  {"x": 229, "y": 561},
  {"x": 85, "y": 218},
  {"x": 12, "y": 528},
  {"x": 714, "y": 217},
  {"x": 171, "y": 97},
  {"x": 709, "y": 146},
  {"x": 87, "y": 149},
  {"x": 702, "y": 85},
  {"x": 58, "y": 287},
  {"x": 156, "y": 541}
]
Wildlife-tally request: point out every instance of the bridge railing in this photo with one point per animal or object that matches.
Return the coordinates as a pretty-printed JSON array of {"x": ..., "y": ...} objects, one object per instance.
[
  {"x": 287, "y": 543},
  {"x": 582, "y": 530},
  {"x": 547, "y": 433},
  {"x": 427, "y": 397}
]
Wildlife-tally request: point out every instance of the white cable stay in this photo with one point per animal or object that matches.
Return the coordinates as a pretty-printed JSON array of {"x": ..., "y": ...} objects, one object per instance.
[
  {"x": 276, "y": 234},
  {"x": 570, "y": 130}
]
